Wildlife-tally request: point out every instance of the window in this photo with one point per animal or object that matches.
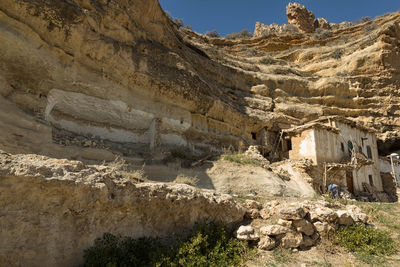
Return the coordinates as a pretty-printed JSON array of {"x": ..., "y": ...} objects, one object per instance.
[
  {"x": 369, "y": 152},
  {"x": 290, "y": 144},
  {"x": 360, "y": 149},
  {"x": 350, "y": 147},
  {"x": 371, "y": 182},
  {"x": 254, "y": 136},
  {"x": 342, "y": 146}
]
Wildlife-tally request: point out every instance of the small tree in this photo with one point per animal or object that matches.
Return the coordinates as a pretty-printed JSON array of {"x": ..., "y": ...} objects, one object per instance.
[
  {"x": 239, "y": 35},
  {"x": 213, "y": 34}
]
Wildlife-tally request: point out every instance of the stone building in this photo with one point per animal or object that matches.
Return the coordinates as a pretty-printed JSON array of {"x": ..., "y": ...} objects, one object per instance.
[{"x": 342, "y": 151}]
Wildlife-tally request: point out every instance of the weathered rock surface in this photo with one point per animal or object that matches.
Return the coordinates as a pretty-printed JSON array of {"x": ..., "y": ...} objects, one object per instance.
[
  {"x": 323, "y": 214},
  {"x": 266, "y": 243},
  {"x": 273, "y": 230},
  {"x": 299, "y": 16},
  {"x": 322, "y": 23},
  {"x": 51, "y": 210},
  {"x": 292, "y": 240},
  {"x": 304, "y": 226},
  {"x": 246, "y": 232},
  {"x": 345, "y": 217},
  {"x": 292, "y": 212}
]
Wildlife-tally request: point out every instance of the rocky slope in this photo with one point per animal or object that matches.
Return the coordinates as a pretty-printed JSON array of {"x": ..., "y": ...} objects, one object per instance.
[{"x": 51, "y": 210}]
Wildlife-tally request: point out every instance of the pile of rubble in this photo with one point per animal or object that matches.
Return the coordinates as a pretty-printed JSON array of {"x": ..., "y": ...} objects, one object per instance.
[
  {"x": 253, "y": 153},
  {"x": 298, "y": 225}
]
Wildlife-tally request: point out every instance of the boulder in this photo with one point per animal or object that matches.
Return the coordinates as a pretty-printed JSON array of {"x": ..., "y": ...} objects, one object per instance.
[
  {"x": 323, "y": 214},
  {"x": 252, "y": 204},
  {"x": 345, "y": 217},
  {"x": 246, "y": 232},
  {"x": 265, "y": 213},
  {"x": 304, "y": 226},
  {"x": 299, "y": 16},
  {"x": 285, "y": 223},
  {"x": 323, "y": 228},
  {"x": 294, "y": 212},
  {"x": 266, "y": 243},
  {"x": 307, "y": 242},
  {"x": 292, "y": 240},
  {"x": 273, "y": 230},
  {"x": 252, "y": 214}
]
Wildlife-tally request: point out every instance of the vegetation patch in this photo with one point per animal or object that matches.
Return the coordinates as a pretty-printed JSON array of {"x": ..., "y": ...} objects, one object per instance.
[
  {"x": 208, "y": 244},
  {"x": 366, "y": 240},
  {"x": 183, "y": 179},
  {"x": 241, "y": 159}
]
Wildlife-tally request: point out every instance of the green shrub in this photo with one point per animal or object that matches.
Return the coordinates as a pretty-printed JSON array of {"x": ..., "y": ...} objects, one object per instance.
[
  {"x": 208, "y": 244},
  {"x": 366, "y": 240},
  {"x": 113, "y": 251}
]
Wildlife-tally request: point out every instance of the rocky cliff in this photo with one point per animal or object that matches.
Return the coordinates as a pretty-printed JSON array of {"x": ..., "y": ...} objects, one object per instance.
[{"x": 121, "y": 71}]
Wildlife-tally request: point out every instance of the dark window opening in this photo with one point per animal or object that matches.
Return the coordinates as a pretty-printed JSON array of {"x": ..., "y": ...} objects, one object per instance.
[
  {"x": 369, "y": 152},
  {"x": 289, "y": 144},
  {"x": 350, "y": 146},
  {"x": 342, "y": 146},
  {"x": 371, "y": 182},
  {"x": 360, "y": 149},
  {"x": 254, "y": 136}
]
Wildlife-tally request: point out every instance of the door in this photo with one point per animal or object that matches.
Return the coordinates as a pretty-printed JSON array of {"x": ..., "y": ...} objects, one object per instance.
[{"x": 349, "y": 182}]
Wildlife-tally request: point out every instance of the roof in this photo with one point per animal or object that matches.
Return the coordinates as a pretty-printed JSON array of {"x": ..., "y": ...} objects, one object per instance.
[
  {"x": 345, "y": 121},
  {"x": 319, "y": 124},
  {"x": 312, "y": 125}
]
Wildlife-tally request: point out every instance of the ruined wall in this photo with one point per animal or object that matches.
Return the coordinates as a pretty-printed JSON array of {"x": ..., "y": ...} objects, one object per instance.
[
  {"x": 386, "y": 167},
  {"x": 304, "y": 146}
]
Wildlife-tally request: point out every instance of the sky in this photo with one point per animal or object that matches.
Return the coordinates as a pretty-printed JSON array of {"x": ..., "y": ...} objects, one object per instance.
[{"x": 227, "y": 16}]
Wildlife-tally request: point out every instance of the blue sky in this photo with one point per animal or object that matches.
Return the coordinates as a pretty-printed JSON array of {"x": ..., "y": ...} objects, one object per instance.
[{"x": 227, "y": 16}]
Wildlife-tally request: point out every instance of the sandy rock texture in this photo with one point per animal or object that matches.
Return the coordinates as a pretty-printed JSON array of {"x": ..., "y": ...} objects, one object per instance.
[
  {"x": 121, "y": 71},
  {"x": 51, "y": 210},
  {"x": 299, "y": 16},
  {"x": 302, "y": 224}
]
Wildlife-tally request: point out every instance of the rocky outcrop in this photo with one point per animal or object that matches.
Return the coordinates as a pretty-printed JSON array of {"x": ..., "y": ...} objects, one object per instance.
[
  {"x": 322, "y": 23},
  {"x": 301, "y": 224},
  {"x": 51, "y": 210},
  {"x": 299, "y": 16}
]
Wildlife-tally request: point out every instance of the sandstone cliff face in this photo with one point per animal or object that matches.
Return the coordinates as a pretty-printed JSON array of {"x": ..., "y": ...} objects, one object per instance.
[
  {"x": 51, "y": 210},
  {"x": 121, "y": 71},
  {"x": 118, "y": 71}
]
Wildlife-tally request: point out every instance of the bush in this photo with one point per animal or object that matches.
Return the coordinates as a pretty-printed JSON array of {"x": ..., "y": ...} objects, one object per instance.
[
  {"x": 239, "y": 35},
  {"x": 268, "y": 61},
  {"x": 208, "y": 244},
  {"x": 366, "y": 240},
  {"x": 113, "y": 251},
  {"x": 213, "y": 34},
  {"x": 322, "y": 34}
]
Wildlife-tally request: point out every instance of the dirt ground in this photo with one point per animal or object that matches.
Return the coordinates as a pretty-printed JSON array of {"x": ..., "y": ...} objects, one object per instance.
[{"x": 236, "y": 179}]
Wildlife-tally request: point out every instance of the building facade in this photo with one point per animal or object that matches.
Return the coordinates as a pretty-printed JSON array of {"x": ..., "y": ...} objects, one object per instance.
[{"x": 346, "y": 151}]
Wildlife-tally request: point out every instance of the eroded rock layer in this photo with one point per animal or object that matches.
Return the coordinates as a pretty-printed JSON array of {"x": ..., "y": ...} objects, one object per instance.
[{"x": 51, "y": 210}]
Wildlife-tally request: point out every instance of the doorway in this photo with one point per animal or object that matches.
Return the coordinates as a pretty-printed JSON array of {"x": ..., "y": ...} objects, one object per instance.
[{"x": 349, "y": 182}]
